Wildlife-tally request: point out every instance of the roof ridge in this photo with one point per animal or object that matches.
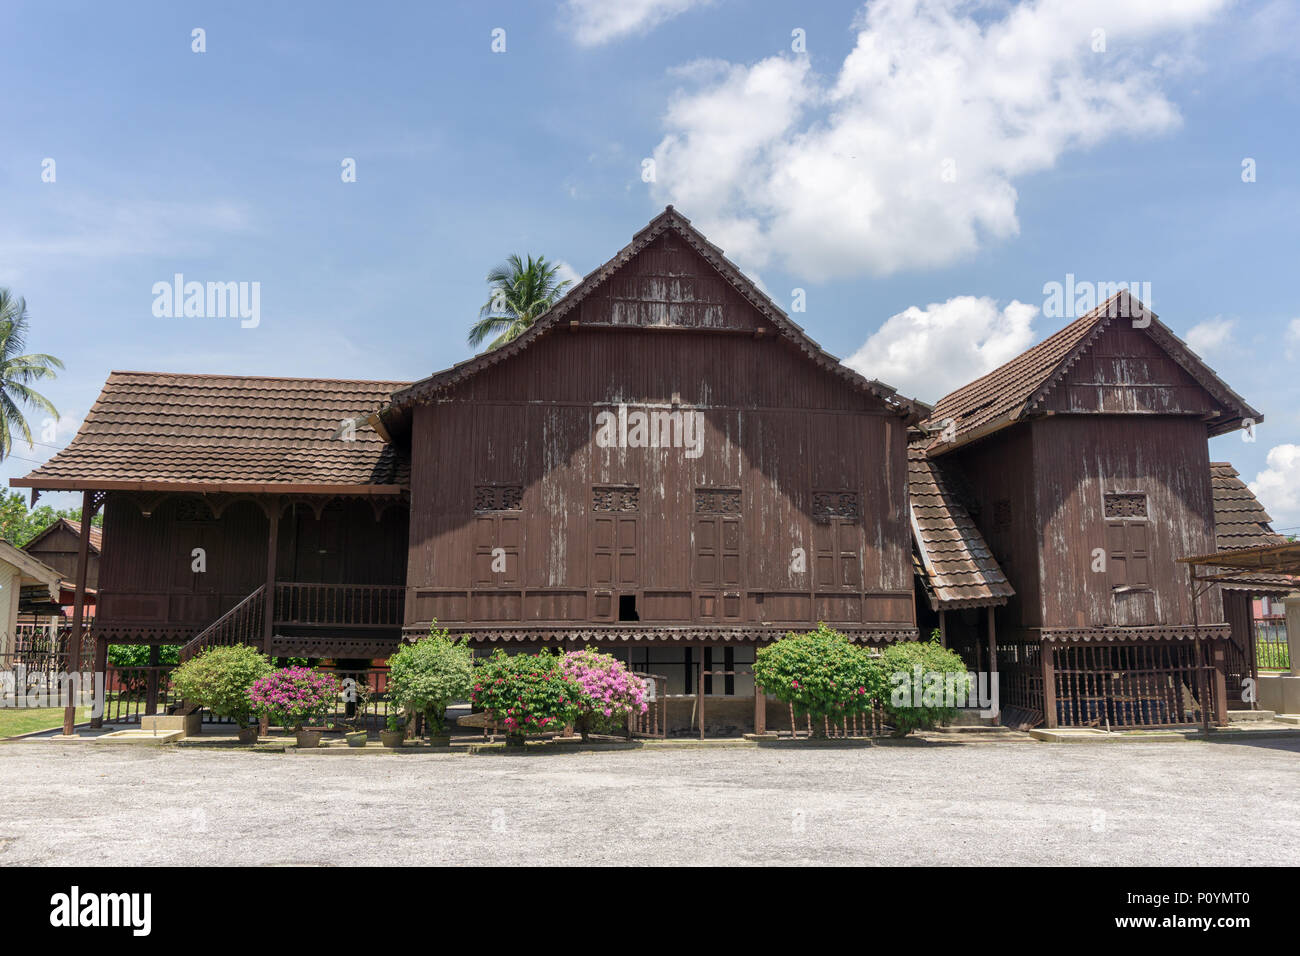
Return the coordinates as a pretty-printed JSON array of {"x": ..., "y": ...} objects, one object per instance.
[{"x": 260, "y": 378}]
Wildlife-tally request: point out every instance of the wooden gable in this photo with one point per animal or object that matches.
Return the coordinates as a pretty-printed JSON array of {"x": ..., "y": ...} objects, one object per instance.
[{"x": 1125, "y": 371}]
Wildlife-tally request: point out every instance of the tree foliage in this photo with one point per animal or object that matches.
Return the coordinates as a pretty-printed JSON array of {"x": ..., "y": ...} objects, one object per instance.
[
  {"x": 219, "y": 679},
  {"x": 18, "y": 370},
  {"x": 430, "y": 674},
  {"x": 821, "y": 673},
  {"x": 521, "y": 291}
]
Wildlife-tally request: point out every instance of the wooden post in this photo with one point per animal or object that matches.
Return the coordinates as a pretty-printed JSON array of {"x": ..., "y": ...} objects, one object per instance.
[
  {"x": 151, "y": 682},
  {"x": 101, "y": 667},
  {"x": 760, "y": 711},
  {"x": 993, "y": 656},
  {"x": 699, "y": 694},
  {"x": 88, "y": 509},
  {"x": 268, "y": 596},
  {"x": 1221, "y": 684},
  {"x": 1048, "y": 653},
  {"x": 1200, "y": 653},
  {"x": 943, "y": 628}
]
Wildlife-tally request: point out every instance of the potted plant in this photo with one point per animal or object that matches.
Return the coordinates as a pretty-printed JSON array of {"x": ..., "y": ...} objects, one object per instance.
[
  {"x": 219, "y": 679},
  {"x": 294, "y": 696},
  {"x": 525, "y": 693},
  {"x": 393, "y": 736},
  {"x": 426, "y": 676},
  {"x": 610, "y": 692}
]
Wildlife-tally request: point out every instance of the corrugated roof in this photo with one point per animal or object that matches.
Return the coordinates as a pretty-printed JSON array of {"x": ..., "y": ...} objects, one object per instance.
[
  {"x": 669, "y": 219},
  {"x": 1011, "y": 391},
  {"x": 958, "y": 568},
  {"x": 225, "y": 432}
]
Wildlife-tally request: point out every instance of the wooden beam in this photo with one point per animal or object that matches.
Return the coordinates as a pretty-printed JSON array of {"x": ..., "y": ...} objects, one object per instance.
[
  {"x": 1048, "y": 653},
  {"x": 88, "y": 508},
  {"x": 273, "y": 512},
  {"x": 760, "y": 711}
]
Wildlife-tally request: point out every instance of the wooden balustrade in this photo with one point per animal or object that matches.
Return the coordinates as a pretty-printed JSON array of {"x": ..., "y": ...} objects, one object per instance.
[{"x": 340, "y": 605}]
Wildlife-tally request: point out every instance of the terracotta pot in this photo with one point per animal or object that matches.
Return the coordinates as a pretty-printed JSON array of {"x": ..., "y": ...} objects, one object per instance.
[
  {"x": 391, "y": 738},
  {"x": 356, "y": 738},
  {"x": 308, "y": 738},
  {"x": 248, "y": 735}
]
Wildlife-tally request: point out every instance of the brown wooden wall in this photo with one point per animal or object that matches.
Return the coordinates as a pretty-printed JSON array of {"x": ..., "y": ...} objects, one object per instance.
[
  {"x": 59, "y": 550},
  {"x": 710, "y": 540},
  {"x": 146, "y": 576},
  {"x": 1051, "y": 491}
]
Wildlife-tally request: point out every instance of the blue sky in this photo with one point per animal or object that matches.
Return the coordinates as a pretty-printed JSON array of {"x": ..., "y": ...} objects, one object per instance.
[{"x": 921, "y": 169}]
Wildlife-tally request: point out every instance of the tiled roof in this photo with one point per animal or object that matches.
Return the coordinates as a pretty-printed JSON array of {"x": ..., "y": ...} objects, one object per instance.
[
  {"x": 669, "y": 219},
  {"x": 225, "y": 432},
  {"x": 1012, "y": 390},
  {"x": 958, "y": 568},
  {"x": 96, "y": 533},
  {"x": 1240, "y": 521}
]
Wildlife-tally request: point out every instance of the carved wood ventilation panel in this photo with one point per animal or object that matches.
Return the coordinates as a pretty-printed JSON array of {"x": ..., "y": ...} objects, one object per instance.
[
  {"x": 189, "y": 509},
  {"x": 717, "y": 501},
  {"x": 498, "y": 498},
  {"x": 615, "y": 500},
  {"x": 1126, "y": 505},
  {"x": 835, "y": 504}
]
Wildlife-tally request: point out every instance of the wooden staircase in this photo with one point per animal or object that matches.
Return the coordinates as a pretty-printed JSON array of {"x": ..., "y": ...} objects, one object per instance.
[{"x": 242, "y": 624}]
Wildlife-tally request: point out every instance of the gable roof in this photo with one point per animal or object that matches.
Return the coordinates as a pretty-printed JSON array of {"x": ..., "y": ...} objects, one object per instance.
[
  {"x": 226, "y": 433},
  {"x": 74, "y": 527},
  {"x": 32, "y": 568},
  {"x": 1016, "y": 389},
  {"x": 668, "y": 220},
  {"x": 1240, "y": 521},
  {"x": 954, "y": 562}
]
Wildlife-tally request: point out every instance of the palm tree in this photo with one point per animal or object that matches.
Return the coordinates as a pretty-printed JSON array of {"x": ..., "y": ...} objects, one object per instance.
[
  {"x": 520, "y": 293},
  {"x": 17, "y": 370}
]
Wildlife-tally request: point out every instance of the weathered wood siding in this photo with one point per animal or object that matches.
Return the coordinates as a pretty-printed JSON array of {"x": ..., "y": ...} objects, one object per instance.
[
  {"x": 708, "y": 539},
  {"x": 1041, "y": 492},
  {"x": 58, "y": 549},
  {"x": 147, "y": 582}
]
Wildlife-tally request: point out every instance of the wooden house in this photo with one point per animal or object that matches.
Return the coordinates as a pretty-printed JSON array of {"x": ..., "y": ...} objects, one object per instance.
[
  {"x": 665, "y": 466},
  {"x": 1087, "y": 468}
]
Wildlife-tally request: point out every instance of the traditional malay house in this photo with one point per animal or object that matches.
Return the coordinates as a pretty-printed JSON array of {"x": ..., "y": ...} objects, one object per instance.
[
  {"x": 666, "y": 467},
  {"x": 1087, "y": 464}
]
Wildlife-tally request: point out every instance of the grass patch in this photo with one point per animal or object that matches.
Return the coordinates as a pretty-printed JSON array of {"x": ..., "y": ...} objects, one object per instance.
[{"x": 16, "y": 721}]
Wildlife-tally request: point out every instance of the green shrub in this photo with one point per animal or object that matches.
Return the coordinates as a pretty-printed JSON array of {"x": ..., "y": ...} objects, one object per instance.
[
  {"x": 924, "y": 683},
  {"x": 430, "y": 674},
  {"x": 219, "y": 679},
  {"x": 821, "y": 674},
  {"x": 526, "y": 693}
]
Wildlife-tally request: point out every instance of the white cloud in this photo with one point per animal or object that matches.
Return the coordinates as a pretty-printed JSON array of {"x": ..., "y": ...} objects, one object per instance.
[
  {"x": 566, "y": 271},
  {"x": 927, "y": 352},
  {"x": 1210, "y": 336},
  {"x": 1293, "y": 340},
  {"x": 844, "y": 175},
  {"x": 1278, "y": 486},
  {"x": 600, "y": 21}
]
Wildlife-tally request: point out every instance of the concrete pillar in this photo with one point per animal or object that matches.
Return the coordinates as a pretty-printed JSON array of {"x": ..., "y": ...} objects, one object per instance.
[{"x": 1292, "y": 604}]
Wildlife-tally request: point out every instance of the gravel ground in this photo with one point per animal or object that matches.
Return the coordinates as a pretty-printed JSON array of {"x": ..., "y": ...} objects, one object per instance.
[{"x": 989, "y": 803}]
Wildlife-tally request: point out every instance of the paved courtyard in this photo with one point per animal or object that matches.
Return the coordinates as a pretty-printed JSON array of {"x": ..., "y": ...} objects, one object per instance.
[{"x": 997, "y": 803}]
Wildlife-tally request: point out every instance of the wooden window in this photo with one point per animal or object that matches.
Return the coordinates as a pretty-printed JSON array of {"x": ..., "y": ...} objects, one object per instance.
[
  {"x": 615, "y": 549},
  {"x": 1127, "y": 559},
  {"x": 837, "y": 540},
  {"x": 498, "y": 535},
  {"x": 716, "y": 568}
]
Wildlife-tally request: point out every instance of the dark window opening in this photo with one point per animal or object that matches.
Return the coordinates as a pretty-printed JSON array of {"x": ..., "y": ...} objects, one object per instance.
[{"x": 627, "y": 608}]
